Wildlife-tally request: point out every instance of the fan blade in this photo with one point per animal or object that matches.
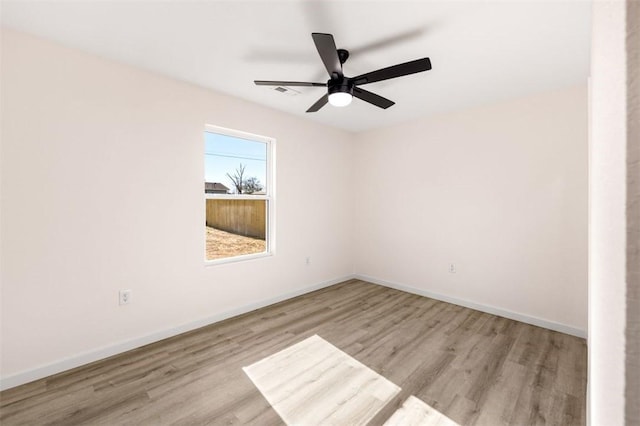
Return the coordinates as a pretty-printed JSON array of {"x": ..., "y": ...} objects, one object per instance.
[
  {"x": 394, "y": 71},
  {"x": 288, "y": 83},
  {"x": 372, "y": 98},
  {"x": 328, "y": 53},
  {"x": 319, "y": 104}
]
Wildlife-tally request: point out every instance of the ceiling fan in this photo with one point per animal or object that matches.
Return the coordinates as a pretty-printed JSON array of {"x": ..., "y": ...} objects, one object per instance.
[{"x": 340, "y": 88}]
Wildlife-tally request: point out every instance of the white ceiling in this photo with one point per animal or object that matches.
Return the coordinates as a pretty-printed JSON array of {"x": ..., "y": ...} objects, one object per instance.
[{"x": 481, "y": 51}]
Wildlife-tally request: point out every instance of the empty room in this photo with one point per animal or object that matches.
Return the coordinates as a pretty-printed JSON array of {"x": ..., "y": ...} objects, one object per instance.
[{"x": 319, "y": 212}]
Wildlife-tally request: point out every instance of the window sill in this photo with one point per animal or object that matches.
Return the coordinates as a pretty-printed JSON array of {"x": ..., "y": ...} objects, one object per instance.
[{"x": 234, "y": 259}]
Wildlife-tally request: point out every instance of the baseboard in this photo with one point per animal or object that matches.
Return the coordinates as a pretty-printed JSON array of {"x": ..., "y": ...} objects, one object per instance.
[
  {"x": 107, "y": 351},
  {"x": 551, "y": 325}
]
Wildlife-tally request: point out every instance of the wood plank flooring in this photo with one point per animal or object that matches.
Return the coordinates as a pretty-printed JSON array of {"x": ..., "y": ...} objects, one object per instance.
[
  {"x": 313, "y": 382},
  {"x": 416, "y": 412},
  {"x": 472, "y": 367}
]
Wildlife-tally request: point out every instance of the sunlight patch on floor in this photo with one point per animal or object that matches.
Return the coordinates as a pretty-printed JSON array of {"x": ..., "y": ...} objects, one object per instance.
[
  {"x": 313, "y": 382},
  {"x": 417, "y": 412}
]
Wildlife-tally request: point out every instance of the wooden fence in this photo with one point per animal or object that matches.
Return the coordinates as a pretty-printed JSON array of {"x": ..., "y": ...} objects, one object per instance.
[{"x": 242, "y": 217}]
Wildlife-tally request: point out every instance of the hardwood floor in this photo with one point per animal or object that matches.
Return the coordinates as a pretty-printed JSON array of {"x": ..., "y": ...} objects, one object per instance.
[
  {"x": 313, "y": 382},
  {"x": 416, "y": 412},
  {"x": 472, "y": 367}
]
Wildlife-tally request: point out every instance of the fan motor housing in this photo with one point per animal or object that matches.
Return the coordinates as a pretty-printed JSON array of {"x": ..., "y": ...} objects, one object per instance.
[{"x": 343, "y": 85}]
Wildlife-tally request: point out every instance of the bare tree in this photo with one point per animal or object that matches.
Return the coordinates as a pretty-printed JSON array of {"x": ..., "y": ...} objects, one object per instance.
[
  {"x": 242, "y": 185},
  {"x": 238, "y": 178},
  {"x": 251, "y": 185}
]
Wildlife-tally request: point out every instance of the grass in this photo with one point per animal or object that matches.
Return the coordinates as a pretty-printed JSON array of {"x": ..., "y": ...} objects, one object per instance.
[{"x": 221, "y": 244}]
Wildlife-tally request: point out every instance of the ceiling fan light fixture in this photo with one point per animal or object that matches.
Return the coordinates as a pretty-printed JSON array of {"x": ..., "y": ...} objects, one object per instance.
[
  {"x": 340, "y": 99},
  {"x": 340, "y": 92}
]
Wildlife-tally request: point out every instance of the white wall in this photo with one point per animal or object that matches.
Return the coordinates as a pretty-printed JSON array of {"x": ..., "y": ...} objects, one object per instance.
[
  {"x": 102, "y": 177},
  {"x": 501, "y": 191},
  {"x": 614, "y": 204},
  {"x": 102, "y": 170}
]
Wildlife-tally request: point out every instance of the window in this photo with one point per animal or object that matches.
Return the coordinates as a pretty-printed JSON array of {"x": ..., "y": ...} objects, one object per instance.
[{"x": 238, "y": 192}]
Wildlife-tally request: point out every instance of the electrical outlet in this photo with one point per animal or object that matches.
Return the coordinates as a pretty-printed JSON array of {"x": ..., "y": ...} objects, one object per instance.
[
  {"x": 308, "y": 260},
  {"x": 452, "y": 268},
  {"x": 125, "y": 297}
]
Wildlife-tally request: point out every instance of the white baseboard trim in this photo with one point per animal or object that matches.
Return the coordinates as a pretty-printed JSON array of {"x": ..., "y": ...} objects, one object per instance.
[
  {"x": 551, "y": 325},
  {"x": 118, "y": 348}
]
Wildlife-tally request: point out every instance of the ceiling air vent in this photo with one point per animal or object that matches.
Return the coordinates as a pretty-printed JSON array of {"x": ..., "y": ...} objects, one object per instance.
[{"x": 286, "y": 90}]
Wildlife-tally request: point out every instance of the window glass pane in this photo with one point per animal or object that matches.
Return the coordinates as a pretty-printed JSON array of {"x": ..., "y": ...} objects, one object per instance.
[
  {"x": 235, "y": 227},
  {"x": 234, "y": 165},
  {"x": 236, "y": 199}
]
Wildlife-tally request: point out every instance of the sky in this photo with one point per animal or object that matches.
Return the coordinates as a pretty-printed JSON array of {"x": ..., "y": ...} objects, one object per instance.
[{"x": 224, "y": 154}]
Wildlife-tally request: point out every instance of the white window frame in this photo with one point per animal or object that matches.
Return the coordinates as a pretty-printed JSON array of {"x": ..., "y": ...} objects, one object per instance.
[{"x": 269, "y": 195}]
